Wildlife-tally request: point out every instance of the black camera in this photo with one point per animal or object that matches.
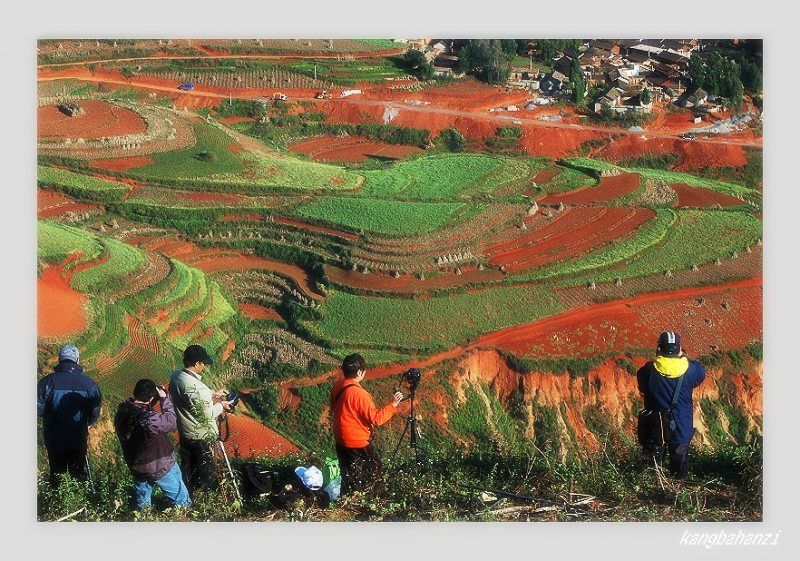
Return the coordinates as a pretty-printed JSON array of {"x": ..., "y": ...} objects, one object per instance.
[
  {"x": 233, "y": 398},
  {"x": 411, "y": 377}
]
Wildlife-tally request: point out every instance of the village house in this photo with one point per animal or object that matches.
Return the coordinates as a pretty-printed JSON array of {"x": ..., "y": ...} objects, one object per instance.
[
  {"x": 694, "y": 99},
  {"x": 621, "y": 101}
]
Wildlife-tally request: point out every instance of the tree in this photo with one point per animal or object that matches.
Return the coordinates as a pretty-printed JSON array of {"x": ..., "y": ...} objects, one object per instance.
[
  {"x": 697, "y": 71},
  {"x": 645, "y": 96},
  {"x": 453, "y": 139},
  {"x": 750, "y": 76},
  {"x": 578, "y": 81},
  {"x": 487, "y": 60},
  {"x": 548, "y": 48},
  {"x": 418, "y": 64},
  {"x": 736, "y": 98},
  {"x": 606, "y": 113}
]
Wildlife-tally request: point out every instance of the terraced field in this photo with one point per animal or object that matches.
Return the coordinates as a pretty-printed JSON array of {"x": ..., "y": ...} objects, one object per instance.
[{"x": 280, "y": 265}]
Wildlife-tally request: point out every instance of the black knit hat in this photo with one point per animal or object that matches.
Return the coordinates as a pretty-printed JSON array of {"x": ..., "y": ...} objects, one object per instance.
[
  {"x": 194, "y": 354},
  {"x": 669, "y": 344}
]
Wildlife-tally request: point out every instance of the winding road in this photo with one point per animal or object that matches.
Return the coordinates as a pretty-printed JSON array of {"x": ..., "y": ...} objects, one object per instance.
[{"x": 199, "y": 91}]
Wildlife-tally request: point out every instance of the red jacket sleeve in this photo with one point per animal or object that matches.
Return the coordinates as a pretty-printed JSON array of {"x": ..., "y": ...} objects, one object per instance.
[{"x": 374, "y": 416}]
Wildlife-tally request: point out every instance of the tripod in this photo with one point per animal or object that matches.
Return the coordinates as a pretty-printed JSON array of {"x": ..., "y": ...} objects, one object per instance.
[
  {"x": 411, "y": 429},
  {"x": 221, "y": 443}
]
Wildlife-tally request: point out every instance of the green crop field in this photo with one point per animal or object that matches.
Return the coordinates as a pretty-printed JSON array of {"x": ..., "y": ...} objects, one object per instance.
[
  {"x": 381, "y": 216},
  {"x": 56, "y": 241},
  {"x": 350, "y": 73},
  {"x": 436, "y": 322},
  {"x": 123, "y": 260},
  {"x": 697, "y": 237},
  {"x": 79, "y": 185},
  {"x": 447, "y": 177},
  {"x": 211, "y": 155}
]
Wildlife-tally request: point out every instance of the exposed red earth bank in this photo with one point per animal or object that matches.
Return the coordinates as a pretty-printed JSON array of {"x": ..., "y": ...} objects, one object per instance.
[{"x": 100, "y": 119}]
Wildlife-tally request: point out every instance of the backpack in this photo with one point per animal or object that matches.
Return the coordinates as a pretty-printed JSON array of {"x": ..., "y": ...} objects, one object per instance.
[
  {"x": 259, "y": 480},
  {"x": 330, "y": 471},
  {"x": 655, "y": 428}
]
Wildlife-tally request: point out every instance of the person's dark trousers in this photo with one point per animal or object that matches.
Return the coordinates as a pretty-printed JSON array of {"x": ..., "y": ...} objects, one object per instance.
[
  {"x": 678, "y": 458},
  {"x": 197, "y": 465},
  {"x": 72, "y": 462},
  {"x": 360, "y": 468}
]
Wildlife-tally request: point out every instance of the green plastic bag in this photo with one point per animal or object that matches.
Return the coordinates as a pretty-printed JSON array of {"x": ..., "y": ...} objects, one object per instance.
[{"x": 330, "y": 470}]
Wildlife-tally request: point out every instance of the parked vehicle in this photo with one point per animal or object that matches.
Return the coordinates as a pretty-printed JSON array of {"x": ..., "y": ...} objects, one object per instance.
[
  {"x": 186, "y": 86},
  {"x": 279, "y": 96},
  {"x": 324, "y": 94},
  {"x": 687, "y": 136}
]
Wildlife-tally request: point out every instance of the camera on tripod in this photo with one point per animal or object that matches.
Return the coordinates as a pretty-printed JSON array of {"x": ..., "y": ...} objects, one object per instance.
[
  {"x": 411, "y": 377},
  {"x": 234, "y": 399}
]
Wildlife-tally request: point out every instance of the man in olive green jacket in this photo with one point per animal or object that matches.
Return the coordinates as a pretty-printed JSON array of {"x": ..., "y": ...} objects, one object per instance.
[{"x": 196, "y": 409}]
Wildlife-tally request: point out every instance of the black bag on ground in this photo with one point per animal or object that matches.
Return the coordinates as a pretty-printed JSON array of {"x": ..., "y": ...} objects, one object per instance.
[{"x": 259, "y": 480}]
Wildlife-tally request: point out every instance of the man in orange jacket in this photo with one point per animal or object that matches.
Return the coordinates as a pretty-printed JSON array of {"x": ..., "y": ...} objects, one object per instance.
[{"x": 354, "y": 419}]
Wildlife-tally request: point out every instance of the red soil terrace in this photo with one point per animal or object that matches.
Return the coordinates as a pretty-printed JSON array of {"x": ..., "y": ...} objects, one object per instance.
[
  {"x": 60, "y": 307},
  {"x": 238, "y": 217},
  {"x": 100, "y": 119},
  {"x": 350, "y": 149},
  {"x": 315, "y": 228},
  {"x": 574, "y": 232},
  {"x": 545, "y": 175},
  {"x": 609, "y": 188},
  {"x": 552, "y": 142},
  {"x": 257, "y": 311},
  {"x": 689, "y": 196},
  {"x": 693, "y": 154},
  {"x": 212, "y": 261},
  {"x": 51, "y": 203},
  {"x": 249, "y": 439},
  {"x": 635, "y": 322}
]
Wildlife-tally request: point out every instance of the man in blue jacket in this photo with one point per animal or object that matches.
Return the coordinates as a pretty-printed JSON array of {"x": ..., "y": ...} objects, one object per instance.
[
  {"x": 143, "y": 432},
  {"x": 69, "y": 403},
  {"x": 658, "y": 382}
]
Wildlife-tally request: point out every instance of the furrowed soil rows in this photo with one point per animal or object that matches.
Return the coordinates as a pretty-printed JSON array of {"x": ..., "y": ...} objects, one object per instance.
[
  {"x": 573, "y": 233},
  {"x": 61, "y": 308},
  {"x": 689, "y": 196},
  {"x": 350, "y": 149},
  {"x": 51, "y": 204},
  {"x": 100, "y": 119},
  {"x": 545, "y": 175},
  {"x": 608, "y": 188},
  {"x": 216, "y": 260},
  {"x": 315, "y": 228},
  {"x": 257, "y": 311},
  {"x": 709, "y": 318},
  {"x": 249, "y": 439}
]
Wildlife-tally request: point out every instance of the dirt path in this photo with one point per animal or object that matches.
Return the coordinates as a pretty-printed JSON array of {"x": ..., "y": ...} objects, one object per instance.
[{"x": 490, "y": 118}]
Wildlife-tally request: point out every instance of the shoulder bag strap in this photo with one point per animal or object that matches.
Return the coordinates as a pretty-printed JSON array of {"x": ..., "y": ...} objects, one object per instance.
[
  {"x": 677, "y": 391},
  {"x": 341, "y": 391}
]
